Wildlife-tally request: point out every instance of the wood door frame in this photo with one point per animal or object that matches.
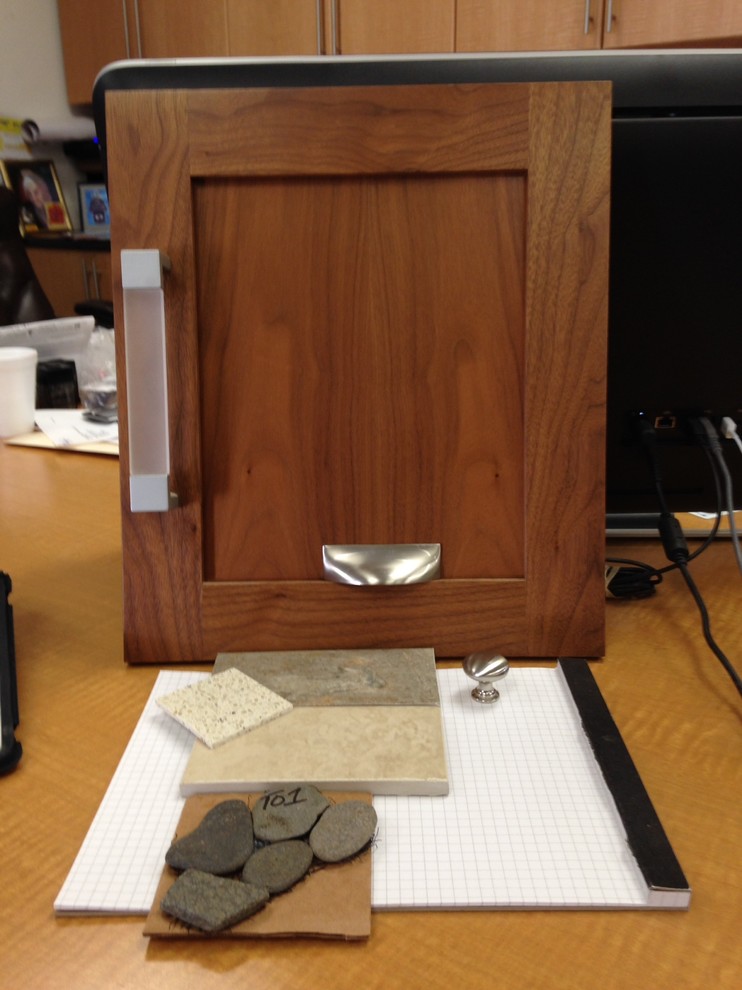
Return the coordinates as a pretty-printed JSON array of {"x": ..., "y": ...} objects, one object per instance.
[{"x": 559, "y": 136}]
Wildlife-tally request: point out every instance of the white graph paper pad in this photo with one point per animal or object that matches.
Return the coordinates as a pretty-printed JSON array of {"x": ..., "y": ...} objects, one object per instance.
[{"x": 528, "y": 822}]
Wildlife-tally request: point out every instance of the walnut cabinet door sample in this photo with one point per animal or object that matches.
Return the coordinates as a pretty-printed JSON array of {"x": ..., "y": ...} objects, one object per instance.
[{"x": 386, "y": 324}]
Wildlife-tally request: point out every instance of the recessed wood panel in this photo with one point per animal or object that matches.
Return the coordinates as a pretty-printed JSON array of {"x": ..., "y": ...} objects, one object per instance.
[{"x": 362, "y": 380}]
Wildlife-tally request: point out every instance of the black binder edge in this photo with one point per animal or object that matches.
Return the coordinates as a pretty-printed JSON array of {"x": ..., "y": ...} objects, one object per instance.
[
  {"x": 667, "y": 884},
  {"x": 10, "y": 748}
]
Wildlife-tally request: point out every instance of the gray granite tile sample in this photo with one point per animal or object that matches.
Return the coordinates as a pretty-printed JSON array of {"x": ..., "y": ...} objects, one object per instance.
[{"x": 342, "y": 677}]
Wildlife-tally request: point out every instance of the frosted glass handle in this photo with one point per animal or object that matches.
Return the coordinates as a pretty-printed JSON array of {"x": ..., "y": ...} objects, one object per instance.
[{"x": 146, "y": 380}]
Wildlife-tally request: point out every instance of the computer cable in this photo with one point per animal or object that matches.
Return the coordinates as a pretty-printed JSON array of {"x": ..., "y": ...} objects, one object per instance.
[
  {"x": 625, "y": 578},
  {"x": 729, "y": 430},
  {"x": 674, "y": 543},
  {"x": 628, "y": 578},
  {"x": 708, "y": 439},
  {"x": 648, "y": 437},
  {"x": 676, "y": 550}
]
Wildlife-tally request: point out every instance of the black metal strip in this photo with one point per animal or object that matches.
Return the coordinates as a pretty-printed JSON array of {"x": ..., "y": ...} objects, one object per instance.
[
  {"x": 10, "y": 748},
  {"x": 646, "y": 836}
]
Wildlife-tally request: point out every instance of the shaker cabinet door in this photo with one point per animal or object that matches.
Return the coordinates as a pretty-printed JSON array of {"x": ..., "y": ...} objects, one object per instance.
[{"x": 386, "y": 327}]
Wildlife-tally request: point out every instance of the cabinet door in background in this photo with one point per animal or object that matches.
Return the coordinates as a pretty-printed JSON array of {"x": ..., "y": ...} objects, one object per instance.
[
  {"x": 389, "y": 26},
  {"x": 182, "y": 28},
  {"x": 93, "y": 34},
  {"x": 527, "y": 25},
  {"x": 281, "y": 27},
  {"x": 71, "y": 277},
  {"x": 636, "y": 23}
]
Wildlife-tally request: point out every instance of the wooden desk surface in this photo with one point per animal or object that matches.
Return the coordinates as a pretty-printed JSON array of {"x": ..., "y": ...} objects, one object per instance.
[{"x": 677, "y": 709}]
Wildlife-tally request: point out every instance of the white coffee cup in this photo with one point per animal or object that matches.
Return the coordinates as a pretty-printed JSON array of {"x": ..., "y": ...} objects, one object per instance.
[{"x": 17, "y": 390}]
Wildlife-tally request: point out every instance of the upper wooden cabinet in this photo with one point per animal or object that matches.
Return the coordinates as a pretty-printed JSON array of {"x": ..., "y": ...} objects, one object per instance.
[
  {"x": 181, "y": 28},
  {"x": 528, "y": 25},
  {"x": 96, "y": 32},
  {"x": 279, "y": 27},
  {"x": 636, "y": 23},
  {"x": 358, "y": 27}
]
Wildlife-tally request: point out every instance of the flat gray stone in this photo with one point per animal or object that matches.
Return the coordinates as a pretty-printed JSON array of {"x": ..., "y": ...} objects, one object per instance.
[
  {"x": 278, "y": 866},
  {"x": 211, "y": 904},
  {"x": 287, "y": 813},
  {"x": 221, "y": 843},
  {"x": 342, "y": 831}
]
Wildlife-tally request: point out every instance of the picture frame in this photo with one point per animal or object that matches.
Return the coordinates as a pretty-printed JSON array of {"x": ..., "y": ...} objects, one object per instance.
[
  {"x": 95, "y": 215},
  {"x": 42, "y": 208}
]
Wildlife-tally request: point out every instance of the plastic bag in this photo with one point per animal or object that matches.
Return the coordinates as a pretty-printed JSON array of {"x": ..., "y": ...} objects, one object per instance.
[{"x": 96, "y": 376}]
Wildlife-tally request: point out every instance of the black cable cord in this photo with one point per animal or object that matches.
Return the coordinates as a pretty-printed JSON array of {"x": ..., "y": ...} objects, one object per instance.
[
  {"x": 710, "y": 641},
  {"x": 627, "y": 578},
  {"x": 675, "y": 547},
  {"x": 634, "y": 578}
]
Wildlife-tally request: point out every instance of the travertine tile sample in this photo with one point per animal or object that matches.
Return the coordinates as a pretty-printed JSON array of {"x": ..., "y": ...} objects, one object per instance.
[
  {"x": 224, "y": 706},
  {"x": 379, "y": 749}
]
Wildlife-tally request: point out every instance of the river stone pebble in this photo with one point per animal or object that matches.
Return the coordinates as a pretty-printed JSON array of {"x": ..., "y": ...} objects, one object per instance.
[
  {"x": 343, "y": 831},
  {"x": 211, "y": 903},
  {"x": 287, "y": 813},
  {"x": 278, "y": 866},
  {"x": 221, "y": 844}
]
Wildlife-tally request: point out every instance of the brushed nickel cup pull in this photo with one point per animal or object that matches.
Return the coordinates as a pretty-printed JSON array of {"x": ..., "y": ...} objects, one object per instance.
[{"x": 387, "y": 564}]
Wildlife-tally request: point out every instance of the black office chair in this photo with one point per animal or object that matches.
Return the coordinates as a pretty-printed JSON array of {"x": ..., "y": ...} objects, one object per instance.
[{"x": 22, "y": 299}]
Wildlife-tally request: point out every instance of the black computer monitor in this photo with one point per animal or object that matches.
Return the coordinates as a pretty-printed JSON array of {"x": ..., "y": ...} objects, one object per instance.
[{"x": 675, "y": 307}]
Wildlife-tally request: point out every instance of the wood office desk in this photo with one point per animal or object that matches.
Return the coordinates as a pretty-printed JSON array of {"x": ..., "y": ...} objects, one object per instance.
[{"x": 678, "y": 712}]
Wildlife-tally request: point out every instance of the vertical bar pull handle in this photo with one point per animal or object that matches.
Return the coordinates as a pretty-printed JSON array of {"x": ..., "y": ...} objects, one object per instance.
[
  {"x": 319, "y": 14},
  {"x": 146, "y": 380},
  {"x": 335, "y": 28},
  {"x": 609, "y": 17}
]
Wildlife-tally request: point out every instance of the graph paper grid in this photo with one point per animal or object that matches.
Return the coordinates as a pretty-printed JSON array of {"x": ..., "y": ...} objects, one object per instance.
[{"x": 528, "y": 822}]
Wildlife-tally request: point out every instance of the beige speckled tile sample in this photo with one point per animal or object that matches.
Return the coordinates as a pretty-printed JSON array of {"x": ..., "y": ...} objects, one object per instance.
[
  {"x": 362, "y": 720},
  {"x": 224, "y": 706}
]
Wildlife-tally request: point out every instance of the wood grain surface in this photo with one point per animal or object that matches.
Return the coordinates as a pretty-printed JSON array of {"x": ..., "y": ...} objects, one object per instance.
[{"x": 79, "y": 702}]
